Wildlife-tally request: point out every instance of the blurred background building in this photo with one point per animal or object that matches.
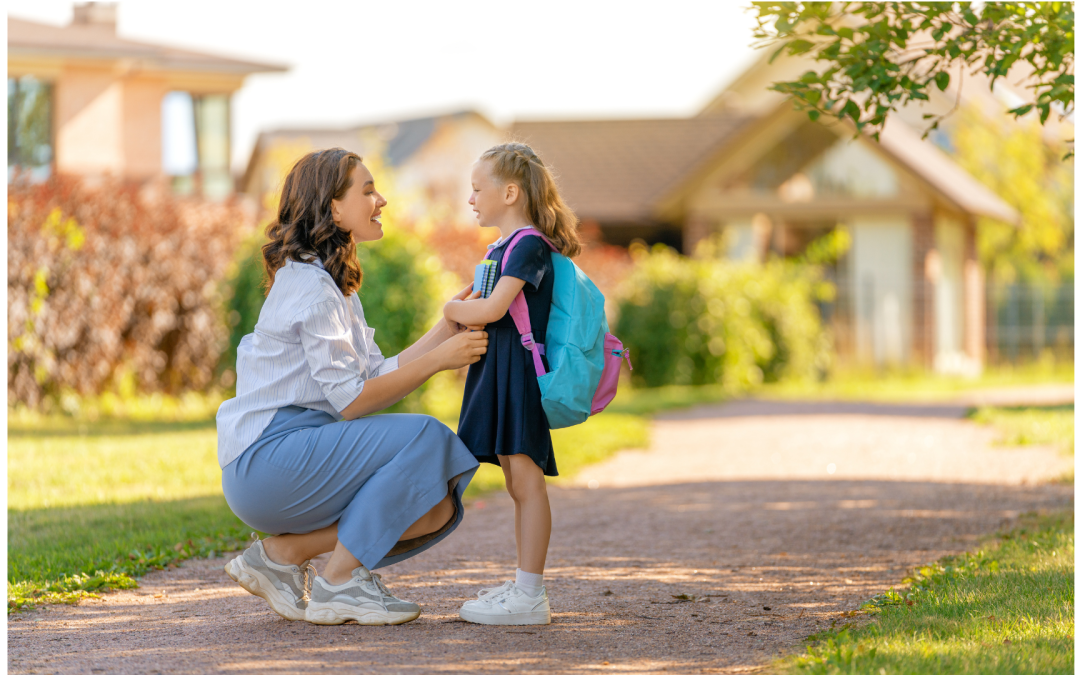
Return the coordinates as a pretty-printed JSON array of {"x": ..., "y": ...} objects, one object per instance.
[
  {"x": 747, "y": 168},
  {"x": 82, "y": 100}
]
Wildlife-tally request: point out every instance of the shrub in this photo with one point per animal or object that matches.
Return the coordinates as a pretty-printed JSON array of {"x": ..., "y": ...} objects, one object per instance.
[
  {"x": 111, "y": 278},
  {"x": 694, "y": 321}
]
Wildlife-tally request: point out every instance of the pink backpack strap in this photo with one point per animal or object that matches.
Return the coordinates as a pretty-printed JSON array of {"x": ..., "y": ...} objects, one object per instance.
[{"x": 519, "y": 310}]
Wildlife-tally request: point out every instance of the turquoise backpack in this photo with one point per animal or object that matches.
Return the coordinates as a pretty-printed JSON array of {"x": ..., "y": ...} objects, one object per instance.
[{"x": 584, "y": 357}]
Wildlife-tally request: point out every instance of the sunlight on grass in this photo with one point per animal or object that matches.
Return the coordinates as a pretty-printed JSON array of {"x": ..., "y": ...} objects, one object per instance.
[
  {"x": 916, "y": 385},
  {"x": 1006, "y": 608},
  {"x": 1032, "y": 425}
]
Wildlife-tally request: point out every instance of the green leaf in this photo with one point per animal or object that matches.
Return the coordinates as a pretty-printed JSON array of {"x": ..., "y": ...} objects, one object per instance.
[
  {"x": 942, "y": 80},
  {"x": 796, "y": 47},
  {"x": 852, "y": 110},
  {"x": 1022, "y": 110},
  {"x": 813, "y": 115}
]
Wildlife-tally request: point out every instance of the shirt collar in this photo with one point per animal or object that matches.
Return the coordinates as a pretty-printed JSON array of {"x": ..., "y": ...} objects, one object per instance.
[{"x": 312, "y": 259}]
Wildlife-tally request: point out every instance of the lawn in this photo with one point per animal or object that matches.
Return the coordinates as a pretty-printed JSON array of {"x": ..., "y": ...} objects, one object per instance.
[
  {"x": 1032, "y": 425},
  {"x": 1006, "y": 608},
  {"x": 92, "y": 505}
]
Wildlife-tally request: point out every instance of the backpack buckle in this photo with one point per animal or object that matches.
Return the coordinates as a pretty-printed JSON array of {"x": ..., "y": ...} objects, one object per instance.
[{"x": 527, "y": 341}]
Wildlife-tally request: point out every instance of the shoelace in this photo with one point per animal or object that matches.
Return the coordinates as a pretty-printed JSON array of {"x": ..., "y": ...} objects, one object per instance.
[
  {"x": 309, "y": 573},
  {"x": 490, "y": 595}
]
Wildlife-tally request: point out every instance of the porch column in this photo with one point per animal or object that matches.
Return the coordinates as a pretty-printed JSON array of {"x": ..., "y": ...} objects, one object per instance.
[
  {"x": 926, "y": 264},
  {"x": 974, "y": 299},
  {"x": 696, "y": 229}
]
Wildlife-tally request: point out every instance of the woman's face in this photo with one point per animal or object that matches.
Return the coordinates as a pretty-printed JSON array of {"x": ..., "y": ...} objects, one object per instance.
[
  {"x": 489, "y": 200},
  {"x": 359, "y": 209}
]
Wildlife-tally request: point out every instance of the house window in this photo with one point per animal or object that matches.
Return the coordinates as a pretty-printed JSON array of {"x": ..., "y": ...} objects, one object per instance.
[
  {"x": 30, "y": 136},
  {"x": 195, "y": 143}
]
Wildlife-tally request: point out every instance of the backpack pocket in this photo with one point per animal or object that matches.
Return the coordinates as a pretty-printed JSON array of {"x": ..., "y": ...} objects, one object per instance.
[{"x": 614, "y": 353}]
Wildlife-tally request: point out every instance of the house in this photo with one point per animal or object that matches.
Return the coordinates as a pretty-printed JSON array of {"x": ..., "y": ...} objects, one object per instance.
[
  {"x": 83, "y": 100},
  {"x": 429, "y": 156},
  {"x": 752, "y": 169}
]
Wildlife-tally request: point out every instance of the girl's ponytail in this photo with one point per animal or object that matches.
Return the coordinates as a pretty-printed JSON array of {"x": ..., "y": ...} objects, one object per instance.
[{"x": 517, "y": 163}]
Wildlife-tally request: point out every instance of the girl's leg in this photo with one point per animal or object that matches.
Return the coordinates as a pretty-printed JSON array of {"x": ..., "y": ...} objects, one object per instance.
[
  {"x": 517, "y": 507},
  {"x": 530, "y": 496}
]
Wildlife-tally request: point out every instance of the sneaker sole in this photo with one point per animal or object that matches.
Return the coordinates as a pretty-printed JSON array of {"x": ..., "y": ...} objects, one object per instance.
[
  {"x": 522, "y": 619},
  {"x": 255, "y": 583},
  {"x": 334, "y": 613}
]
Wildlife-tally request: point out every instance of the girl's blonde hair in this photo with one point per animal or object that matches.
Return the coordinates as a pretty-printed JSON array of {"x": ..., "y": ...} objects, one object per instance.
[{"x": 517, "y": 163}]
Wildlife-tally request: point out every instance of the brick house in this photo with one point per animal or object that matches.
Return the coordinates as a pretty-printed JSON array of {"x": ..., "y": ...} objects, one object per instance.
[{"x": 84, "y": 101}]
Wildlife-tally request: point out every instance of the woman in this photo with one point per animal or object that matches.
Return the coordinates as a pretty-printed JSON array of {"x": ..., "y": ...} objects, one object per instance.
[{"x": 298, "y": 457}]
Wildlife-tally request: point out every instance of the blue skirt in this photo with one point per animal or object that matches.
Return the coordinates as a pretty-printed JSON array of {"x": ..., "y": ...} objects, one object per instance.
[{"x": 374, "y": 476}]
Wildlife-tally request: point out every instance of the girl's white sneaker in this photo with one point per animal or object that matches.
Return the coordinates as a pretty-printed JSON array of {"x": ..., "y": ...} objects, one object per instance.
[{"x": 510, "y": 606}]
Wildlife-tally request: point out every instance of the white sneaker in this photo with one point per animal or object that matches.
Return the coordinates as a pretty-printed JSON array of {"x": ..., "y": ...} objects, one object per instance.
[
  {"x": 510, "y": 606},
  {"x": 363, "y": 599}
]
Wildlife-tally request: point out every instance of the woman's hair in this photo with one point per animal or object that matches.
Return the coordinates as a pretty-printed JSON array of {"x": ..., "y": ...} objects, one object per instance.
[
  {"x": 305, "y": 225},
  {"x": 517, "y": 163}
]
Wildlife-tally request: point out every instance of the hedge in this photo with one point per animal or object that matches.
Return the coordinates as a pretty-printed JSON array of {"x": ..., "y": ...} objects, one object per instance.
[
  {"x": 107, "y": 278},
  {"x": 692, "y": 321}
]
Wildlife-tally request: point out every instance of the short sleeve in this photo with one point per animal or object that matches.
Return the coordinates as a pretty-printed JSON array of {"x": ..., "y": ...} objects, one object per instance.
[
  {"x": 336, "y": 366},
  {"x": 528, "y": 261}
]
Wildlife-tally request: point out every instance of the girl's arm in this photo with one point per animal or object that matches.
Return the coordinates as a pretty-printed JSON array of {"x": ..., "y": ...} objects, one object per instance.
[
  {"x": 439, "y": 333},
  {"x": 475, "y": 313},
  {"x": 384, "y": 391}
]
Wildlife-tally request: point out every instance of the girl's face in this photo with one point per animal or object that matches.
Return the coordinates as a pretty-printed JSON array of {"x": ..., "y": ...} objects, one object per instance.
[
  {"x": 490, "y": 201},
  {"x": 359, "y": 209}
]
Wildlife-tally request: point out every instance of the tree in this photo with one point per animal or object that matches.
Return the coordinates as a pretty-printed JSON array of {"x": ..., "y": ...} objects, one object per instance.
[
  {"x": 878, "y": 57},
  {"x": 1014, "y": 162}
]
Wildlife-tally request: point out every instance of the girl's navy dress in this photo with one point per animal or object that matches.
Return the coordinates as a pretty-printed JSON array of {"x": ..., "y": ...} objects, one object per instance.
[{"x": 502, "y": 413}]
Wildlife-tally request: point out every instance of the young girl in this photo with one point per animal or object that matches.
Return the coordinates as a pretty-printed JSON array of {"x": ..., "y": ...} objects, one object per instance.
[{"x": 502, "y": 421}]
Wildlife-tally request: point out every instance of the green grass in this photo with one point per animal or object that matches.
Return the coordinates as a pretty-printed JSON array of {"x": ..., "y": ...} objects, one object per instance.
[
  {"x": 1032, "y": 425},
  {"x": 917, "y": 385},
  {"x": 1006, "y": 608},
  {"x": 94, "y": 504}
]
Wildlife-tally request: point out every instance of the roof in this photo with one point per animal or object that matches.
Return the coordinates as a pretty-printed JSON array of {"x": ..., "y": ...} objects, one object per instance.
[
  {"x": 619, "y": 170},
  {"x": 402, "y": 138},
  {"x": 926, "y": 161},
  {"x": 29, "y": 38}
]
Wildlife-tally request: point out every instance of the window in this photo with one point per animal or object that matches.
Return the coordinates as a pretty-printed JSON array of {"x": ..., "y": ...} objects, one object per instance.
[
  {"x": 30, "y": 136},
  {"x": 195, "y": 143}
]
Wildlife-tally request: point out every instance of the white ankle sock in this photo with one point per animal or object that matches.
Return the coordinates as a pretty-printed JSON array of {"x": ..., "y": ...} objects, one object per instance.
[{"x": 529, "y": 582}]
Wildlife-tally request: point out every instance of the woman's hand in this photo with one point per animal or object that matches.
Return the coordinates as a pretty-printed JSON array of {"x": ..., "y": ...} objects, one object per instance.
[{"x": 461, "y": 350}]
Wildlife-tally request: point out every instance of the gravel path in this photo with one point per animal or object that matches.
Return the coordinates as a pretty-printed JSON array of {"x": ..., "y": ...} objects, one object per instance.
[{"x": 775, "y": 517}]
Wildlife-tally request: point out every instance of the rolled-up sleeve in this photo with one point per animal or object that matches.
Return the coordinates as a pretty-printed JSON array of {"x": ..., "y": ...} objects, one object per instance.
[
  {"x": 336, "y": 366},
  {"x": 388, "y": 366}
]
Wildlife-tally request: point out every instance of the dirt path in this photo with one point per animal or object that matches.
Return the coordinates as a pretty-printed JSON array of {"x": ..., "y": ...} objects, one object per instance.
[{"x": 734, "y": 504}]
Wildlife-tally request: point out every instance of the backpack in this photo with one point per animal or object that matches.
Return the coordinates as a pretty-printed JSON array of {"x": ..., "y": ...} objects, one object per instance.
[{"x": 585, "y": 358}]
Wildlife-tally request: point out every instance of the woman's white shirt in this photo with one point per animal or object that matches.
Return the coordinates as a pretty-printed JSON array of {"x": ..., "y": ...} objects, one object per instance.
[{"x": 311, "y": 348}]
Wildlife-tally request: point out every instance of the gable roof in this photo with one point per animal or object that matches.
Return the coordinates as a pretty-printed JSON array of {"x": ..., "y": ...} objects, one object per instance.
[
  {"x": 618, "y": 170},
  {"x": 76, "y": 41},
  {"x": 932, "y": 165}
]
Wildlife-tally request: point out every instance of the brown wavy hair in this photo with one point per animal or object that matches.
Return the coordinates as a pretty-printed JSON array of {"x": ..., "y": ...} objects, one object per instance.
[
  {"x": 304, "y": 224},
  {"x": 517, "y": 163}
]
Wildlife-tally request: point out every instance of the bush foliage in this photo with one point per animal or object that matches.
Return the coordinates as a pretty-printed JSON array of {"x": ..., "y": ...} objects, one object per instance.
[
  {"x": 694, "y": 321},
  {"x": 108, "y": 278}
]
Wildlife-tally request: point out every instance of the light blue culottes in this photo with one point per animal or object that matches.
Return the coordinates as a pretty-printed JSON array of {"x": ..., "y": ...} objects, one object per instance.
[{"x": 374, "y": 476}]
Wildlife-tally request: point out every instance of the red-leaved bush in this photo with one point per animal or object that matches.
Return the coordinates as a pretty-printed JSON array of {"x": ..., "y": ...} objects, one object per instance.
[{"x": 109, "y": 275}]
